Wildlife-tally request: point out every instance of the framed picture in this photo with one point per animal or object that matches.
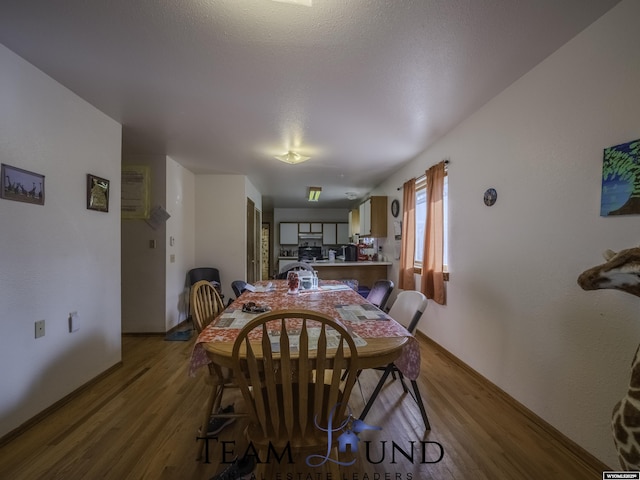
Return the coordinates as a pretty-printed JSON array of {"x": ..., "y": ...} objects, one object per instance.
[
  {"x": 21, "y": 185},
  {"x": 97, "y": 193},
  {"x": 134, "y": 195},
  {"x": 621, "y": 180}
]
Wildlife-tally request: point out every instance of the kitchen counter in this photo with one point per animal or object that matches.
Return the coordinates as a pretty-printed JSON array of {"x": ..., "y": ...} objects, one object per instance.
[
  {"x": 366, "y": 272},
  {"x": 339, "y": 263}
]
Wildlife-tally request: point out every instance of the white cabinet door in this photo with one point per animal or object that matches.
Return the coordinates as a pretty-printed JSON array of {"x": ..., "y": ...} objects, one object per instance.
[
  {"x": 329, "y": 234},
  {"x": 342, "y": 233},
  {"x": 288, "y": 233},
  {"x": 365, "y": 218},
  {"x": 316, "y": 228},
  {"x": 304, "y": 227}
]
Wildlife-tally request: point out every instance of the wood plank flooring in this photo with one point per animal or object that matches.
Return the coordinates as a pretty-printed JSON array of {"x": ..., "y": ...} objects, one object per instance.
[{"x": 140, "y": 422}]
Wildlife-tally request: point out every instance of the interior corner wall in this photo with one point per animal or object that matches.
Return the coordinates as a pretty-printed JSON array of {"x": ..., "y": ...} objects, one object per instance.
[
  {"x": 143, "y": 267},
  {"x": 221, "y": 230},
  {"x": 514, "y": 310},
  {"x": 59, "y": 257},
  {"x": 180, "y": 240}
]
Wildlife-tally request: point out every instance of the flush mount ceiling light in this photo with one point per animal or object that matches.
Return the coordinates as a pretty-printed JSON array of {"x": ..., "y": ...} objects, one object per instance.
[
  {"x": 314, "y": 193},
  {"x": 351, "y": 195},
  {"x": 292, "y": 158},
  {"x": 306, "y": 3}
]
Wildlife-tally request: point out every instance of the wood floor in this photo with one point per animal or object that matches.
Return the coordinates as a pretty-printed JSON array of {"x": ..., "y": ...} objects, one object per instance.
[{"x": 140, "y": 422}]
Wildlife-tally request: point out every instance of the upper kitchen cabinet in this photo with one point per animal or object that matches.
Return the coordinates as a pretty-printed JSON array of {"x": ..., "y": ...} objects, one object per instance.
[
  {"x": 329, "y": 234},
  {"x": 342, "y": 233},
  {"x": 288, "y": 233},
  {"x": 354, "y": 222},
  {"x": 373, "y": 217}
]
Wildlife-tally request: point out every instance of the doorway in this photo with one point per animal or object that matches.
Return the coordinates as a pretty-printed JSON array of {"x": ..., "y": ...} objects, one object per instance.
[{"x": 254, "y": 222}]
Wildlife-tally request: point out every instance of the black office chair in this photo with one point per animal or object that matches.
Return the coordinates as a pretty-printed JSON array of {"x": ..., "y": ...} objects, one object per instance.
[
  {"x": 209, "y": 274},
  {"x": 380, "y": 292},
  {"x": 238, "y": 287},
  {"x": 407, "y": 310}
]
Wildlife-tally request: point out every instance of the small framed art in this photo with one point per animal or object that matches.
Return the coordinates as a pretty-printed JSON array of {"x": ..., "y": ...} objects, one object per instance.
[
  {"x": 97, "y": 193},
  {"x": 21, "y": 185}
]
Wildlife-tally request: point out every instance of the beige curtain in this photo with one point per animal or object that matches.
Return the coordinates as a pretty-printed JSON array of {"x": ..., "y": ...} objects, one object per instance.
[
  {"x": 432, "y": 270},
  {"x": 406, "y": 280}
]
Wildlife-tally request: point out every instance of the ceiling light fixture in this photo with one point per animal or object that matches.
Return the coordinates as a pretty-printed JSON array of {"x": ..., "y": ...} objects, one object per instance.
[
  {"x": 351, "y": 195},
  {"x": 314, "y": 193},
  {"x": 292, "y": 157},
  {"x": 306, "y": 3}
]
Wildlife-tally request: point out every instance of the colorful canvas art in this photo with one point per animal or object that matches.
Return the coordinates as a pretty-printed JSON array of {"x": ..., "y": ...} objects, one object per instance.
[{"x": 621, "y": 180}]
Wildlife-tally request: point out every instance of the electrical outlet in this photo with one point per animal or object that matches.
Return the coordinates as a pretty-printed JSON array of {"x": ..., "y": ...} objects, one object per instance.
[{"x": 40, "y": 328}]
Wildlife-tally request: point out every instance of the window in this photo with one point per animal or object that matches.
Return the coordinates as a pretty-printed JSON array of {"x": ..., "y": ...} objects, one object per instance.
[{"x": 421, "y": 217}]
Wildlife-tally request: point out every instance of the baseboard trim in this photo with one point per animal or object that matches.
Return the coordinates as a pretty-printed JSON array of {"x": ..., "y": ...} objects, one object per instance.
[
  {"x": 185, "y": 322},
  {"x": 16, "y": 432},
  {"x": 580, "y": 454}
]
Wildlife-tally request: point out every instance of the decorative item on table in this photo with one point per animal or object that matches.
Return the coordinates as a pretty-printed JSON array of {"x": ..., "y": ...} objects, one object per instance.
[
  {"x": 251, "y": 307},
  {"x": 308, "y": 280},
  {"x": 293, "y": 281}
]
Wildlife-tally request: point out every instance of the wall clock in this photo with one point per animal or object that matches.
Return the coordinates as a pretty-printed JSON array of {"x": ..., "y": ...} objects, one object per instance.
[
  {"x": 490, "y": 197},
  {"x": 395, "y": 208}
]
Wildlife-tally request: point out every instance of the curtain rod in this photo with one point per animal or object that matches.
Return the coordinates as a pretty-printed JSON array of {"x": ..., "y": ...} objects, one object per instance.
[{"x": 446, "y": 162}]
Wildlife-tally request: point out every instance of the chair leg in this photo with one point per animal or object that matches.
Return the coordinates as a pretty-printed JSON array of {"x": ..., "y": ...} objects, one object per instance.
[
  {"x": 214, "y": 399},
  {"x": 375, "y": 393},
  {"x": 404, "y": 385},
  {"x": 418, "y": 399}
]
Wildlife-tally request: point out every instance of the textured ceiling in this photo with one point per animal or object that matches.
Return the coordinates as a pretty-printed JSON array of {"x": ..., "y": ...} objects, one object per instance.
[{"x": 361, "y": 86}]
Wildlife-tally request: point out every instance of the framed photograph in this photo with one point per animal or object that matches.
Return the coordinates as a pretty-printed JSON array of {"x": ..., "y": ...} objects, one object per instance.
[
  {"x": 97, "y": 193},
  {"x": 21, "y": 185}
]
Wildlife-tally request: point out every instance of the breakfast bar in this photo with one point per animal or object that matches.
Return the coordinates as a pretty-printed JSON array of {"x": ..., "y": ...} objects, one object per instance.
[{"x": 365, "y": 272}]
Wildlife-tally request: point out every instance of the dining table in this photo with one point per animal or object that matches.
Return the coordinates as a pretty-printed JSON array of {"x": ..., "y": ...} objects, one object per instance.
[{"x": 380, "y": 339}]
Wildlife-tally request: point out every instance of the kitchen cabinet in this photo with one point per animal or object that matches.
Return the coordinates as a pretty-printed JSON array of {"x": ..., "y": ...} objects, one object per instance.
[
  {"x": 288, "y": 233},
  {"x": 329, "y": 234},
  {"x": 342, "y": 233},
  {"x": 316, "y": 228},
  {"x": 304, "y": 227},
  {"x": 373, "y": 217},
  {"x": 354, "y": 222}
]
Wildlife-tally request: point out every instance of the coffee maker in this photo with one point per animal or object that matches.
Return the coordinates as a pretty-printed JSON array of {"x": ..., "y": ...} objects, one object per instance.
[{"x": 350, "y": 253}]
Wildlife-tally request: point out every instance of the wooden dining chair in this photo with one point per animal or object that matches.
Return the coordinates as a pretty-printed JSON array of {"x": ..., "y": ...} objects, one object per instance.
[
  {"x": 406, "y": 310},
  {"x": 206, "y": 305},
  {"x": 291, "y": 381}
]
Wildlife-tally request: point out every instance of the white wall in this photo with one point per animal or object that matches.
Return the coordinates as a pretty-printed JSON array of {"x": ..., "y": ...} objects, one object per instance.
[
  {"x": 58, "y": 257},
  {"x": 220, "y": 232},
  {"x": 144, "y": 295},
  {"x": 515, "y": 313},
  {"x": 181, "y": 228}
]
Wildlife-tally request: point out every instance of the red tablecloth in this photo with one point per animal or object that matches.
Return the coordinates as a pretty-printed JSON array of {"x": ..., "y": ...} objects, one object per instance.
[{"x": 327, "y": 302}]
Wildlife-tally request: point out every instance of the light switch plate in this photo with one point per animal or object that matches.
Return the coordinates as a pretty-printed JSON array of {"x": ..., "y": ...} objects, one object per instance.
[{"x": 40, "y": 328}]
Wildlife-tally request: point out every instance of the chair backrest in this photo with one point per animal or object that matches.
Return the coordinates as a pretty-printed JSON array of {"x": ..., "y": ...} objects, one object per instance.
[
  {"x": 203, "y": 273},
  {"x": 206, "y": 304},
  {"x": 291, "y": 378},
  {"x": 291, "y": 267},
  {"x": 408, "y": 308},
  {"x": 238, "y": 286},
  {"x": 379, "y": 293}
]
